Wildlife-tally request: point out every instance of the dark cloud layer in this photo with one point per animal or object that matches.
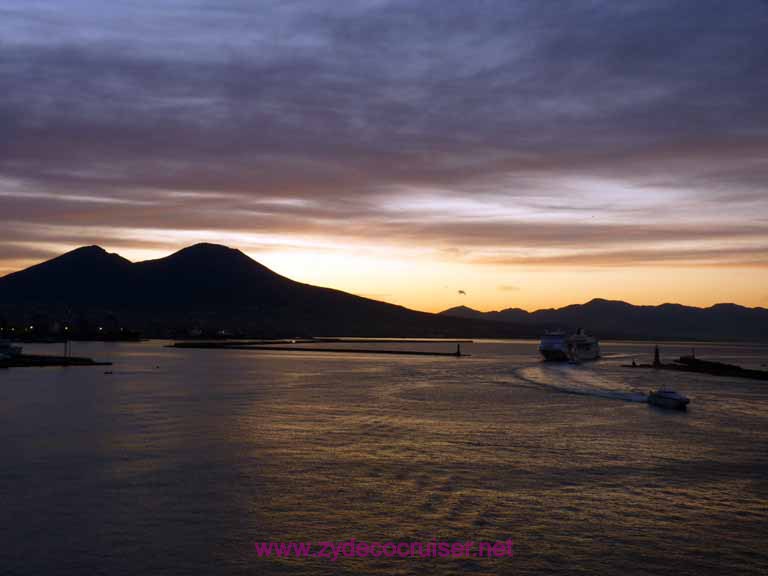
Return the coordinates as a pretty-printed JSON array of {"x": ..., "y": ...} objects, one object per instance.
[{"x": 326, "y": 118}]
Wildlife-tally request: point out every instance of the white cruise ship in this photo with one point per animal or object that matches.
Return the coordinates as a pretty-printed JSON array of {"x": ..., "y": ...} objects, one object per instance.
[{"x": 562, "y": 347}]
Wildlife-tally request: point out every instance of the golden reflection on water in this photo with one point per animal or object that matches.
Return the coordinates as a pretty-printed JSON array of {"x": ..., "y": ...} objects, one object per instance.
[
  {"x": 429, "y": 450},
  {"x": 181, "y": 468}
]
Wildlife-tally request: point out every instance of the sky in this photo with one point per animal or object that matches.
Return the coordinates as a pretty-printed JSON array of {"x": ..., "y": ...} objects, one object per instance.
[{"x": 530, "y": 154}]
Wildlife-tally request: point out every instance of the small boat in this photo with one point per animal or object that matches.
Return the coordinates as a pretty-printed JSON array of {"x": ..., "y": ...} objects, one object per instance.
[
  {"x": 7, "y": 350},
  {"x": 668, "y": 399},
  {"x": 574, "y": 348}
]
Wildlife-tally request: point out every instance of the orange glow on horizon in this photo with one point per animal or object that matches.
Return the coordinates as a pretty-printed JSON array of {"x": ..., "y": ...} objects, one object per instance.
[{"x": 430, "y": 281}]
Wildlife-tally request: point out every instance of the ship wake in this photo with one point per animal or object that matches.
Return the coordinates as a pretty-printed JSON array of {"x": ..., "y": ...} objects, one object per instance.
[{"x": 585, "y": 381}]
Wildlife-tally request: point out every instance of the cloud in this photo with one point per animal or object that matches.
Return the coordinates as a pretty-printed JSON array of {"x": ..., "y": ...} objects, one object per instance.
[
  {"x": 635, "y": 132},
  {"x": 749, "y": 257}
]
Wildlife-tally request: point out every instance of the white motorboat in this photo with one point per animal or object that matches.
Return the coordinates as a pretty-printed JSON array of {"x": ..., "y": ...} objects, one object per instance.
[{"x": 562, "y": 347}]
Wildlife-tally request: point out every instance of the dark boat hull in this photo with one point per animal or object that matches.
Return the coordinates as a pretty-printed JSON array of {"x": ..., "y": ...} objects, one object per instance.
[{"x": 554, "y": 355}]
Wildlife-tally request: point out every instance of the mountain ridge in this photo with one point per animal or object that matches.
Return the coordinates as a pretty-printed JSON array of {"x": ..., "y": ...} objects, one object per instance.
[
  {"x": 718, "y": 305},
  {"x": 213, "y": 289},
  {"x": 618, "y": 318},
  {"x": 202, "y": 289}
]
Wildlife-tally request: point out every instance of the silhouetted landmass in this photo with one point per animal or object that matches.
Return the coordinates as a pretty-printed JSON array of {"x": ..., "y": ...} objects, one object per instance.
[
  {"x": 616, "y": 319},
  {"x": 208, "y": 291},
  {"x": 205, "y": 290},
  {"x": 693, "y": 364},
  {"x": 38, "y": 361}
]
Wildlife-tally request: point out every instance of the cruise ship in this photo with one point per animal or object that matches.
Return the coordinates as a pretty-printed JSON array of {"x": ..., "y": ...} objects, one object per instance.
[{"x": 562, "y": 347}]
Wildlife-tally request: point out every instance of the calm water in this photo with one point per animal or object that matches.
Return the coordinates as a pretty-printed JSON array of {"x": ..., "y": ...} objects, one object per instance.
[{"x": 181, "y": 459}]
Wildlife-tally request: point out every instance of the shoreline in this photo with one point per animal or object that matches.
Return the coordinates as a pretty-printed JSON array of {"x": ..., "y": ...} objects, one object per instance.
[{"x": 43, "y": 361}]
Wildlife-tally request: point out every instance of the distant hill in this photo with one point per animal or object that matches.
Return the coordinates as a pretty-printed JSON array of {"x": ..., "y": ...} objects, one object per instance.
[
  {"x": 617, "y": 319},
  {"x": 204, "y": 289},
  {"x": 507, "y": 315}
]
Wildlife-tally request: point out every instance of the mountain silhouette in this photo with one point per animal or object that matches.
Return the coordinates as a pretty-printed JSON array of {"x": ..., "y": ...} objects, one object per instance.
[
  {"x": 617, "y": 319},
  {"x": 208, "y": 288}
]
